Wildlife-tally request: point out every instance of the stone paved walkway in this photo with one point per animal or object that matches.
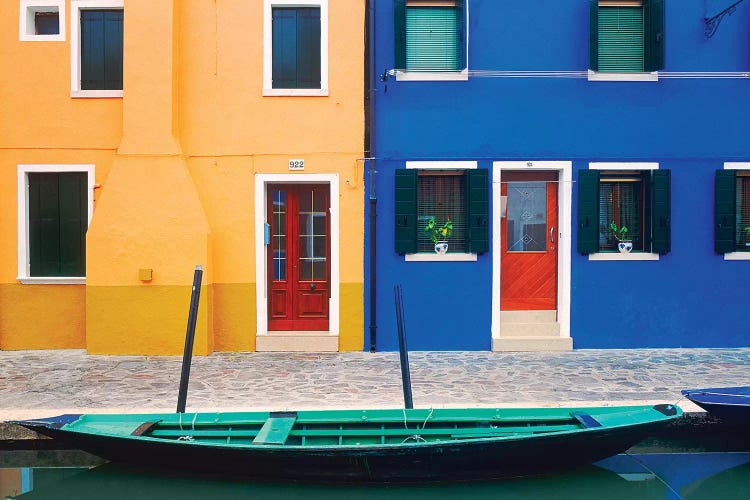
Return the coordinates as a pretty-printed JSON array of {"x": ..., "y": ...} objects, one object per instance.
[{"x": 43, "y": 383}]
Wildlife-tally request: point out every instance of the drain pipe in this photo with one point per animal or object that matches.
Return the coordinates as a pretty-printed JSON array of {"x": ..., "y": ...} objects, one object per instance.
[{"x": 370, "y": 154}]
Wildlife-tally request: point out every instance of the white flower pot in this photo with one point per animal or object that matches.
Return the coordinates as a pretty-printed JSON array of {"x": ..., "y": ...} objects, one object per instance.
[
  {"x": 625, "y": 246},
  {"x": 441, "y": 247}
]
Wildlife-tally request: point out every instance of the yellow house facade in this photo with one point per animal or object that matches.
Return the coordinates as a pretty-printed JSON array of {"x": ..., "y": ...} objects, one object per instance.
[{"x": 141, "y": 138}]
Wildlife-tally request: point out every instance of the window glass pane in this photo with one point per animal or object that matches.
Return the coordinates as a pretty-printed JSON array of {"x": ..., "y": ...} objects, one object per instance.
[
  {"x": 621, "y": 202},
  {"x": 47, "y": 23},
  {"x": 278, "y": 237},
  {"x": 312, "y": 234},
  {"x": 743, "y": 213},
  {"x": 431, "y": 36},
  {"x": 621, "y": 39},
  {"x": 527, "y": 216},
  {"x": 441, "y": 197}
]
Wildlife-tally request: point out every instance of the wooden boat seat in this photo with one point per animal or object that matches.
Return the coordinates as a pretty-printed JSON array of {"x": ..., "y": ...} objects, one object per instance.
[
  {"x": 586, "y": 420},
  {"x": 276, "y": 428}
]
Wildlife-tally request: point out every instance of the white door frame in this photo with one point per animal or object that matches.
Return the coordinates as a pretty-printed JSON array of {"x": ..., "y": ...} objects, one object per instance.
[
  {"x": 564, "y": 242},
  {"x": 261, "y": 266}
]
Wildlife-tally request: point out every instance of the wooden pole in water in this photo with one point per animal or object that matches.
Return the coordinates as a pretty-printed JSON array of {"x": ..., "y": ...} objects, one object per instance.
[
  {"x": 187, "y": 357},
  {"x": 403, "y": 352}
]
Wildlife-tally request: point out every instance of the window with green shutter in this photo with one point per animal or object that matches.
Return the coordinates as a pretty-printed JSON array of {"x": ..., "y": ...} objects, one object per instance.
[
  {"x": 461, "y": 196},
  {"x": 430, "y": 35},
  {"x": 627, "y": 36},
  {"x": 101, "y": 49},
  {"x": 296, "y": 54},
  {"x": 732, "y": 211},
  {"x": 637, "y": 200},
  {"x": 57, "y": 223}
]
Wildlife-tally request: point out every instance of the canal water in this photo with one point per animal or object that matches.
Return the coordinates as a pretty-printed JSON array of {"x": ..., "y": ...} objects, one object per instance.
[{"x": 694, "y": 468}]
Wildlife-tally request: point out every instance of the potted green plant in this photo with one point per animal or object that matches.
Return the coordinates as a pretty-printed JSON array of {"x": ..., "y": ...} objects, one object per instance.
[
  {"x": 439, "y": 234},
  {"x": 624, "y": 243},
  {"x": 746, "y": 230}
]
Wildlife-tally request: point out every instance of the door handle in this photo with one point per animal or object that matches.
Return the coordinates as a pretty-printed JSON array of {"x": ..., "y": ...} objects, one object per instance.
[
  {"x": 552, "y": 234},
  {"x": 312, "y": 286}
]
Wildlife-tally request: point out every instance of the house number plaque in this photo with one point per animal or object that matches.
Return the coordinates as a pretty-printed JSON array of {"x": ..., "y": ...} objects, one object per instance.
[{"x": 296, "y": 164}]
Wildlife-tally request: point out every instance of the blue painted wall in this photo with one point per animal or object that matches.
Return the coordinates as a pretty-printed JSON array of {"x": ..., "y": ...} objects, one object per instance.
[{"x": 691, "y": 297}]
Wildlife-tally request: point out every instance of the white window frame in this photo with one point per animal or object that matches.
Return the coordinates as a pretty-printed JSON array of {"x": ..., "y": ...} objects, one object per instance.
[
  {"x": 76, "y": 6},
  {"x": 564, "y": 243},
  {"x": 440, "y": 76},
  {"x": 737, "y": 166},
  {"x": 434, "y": 257},
  {"x": 24, "y": 267},
  {"x": 268, "y": 6},
  {"x": 624, "y": 166},
  {"x": 261, "y": 262},
  {"x": 26, "y": 20}
]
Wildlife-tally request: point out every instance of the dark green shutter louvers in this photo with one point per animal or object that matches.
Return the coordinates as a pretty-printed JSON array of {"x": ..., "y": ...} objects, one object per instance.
[
  {"x": 661, "y": 241},
  {"x": 654, "y": 29},
  {"x": 588, "y": 211},
  {"x": 478, "y": 211},
  {"x": 101, "y": 49},
  {"x": 406, "y": 211},
  {"x": 399, "y": 30},
  {"x": 431, "y": 39},
  {"x": 725, "y": 199},
  {"x": 621, "y": 40},
  {"x": 461, "y": 28},
  {"x": 594, "y": 35}
]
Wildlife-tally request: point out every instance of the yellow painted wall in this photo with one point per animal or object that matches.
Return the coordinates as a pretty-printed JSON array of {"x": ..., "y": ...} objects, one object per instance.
[{"x": 176, "y": 158}]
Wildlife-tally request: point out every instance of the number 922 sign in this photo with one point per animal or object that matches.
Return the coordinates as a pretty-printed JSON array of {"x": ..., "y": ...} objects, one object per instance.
[{"x": 296, "y": 164}]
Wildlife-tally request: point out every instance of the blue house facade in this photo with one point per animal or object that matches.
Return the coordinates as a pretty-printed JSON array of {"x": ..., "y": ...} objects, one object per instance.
[{"x": 586, "y": 162}]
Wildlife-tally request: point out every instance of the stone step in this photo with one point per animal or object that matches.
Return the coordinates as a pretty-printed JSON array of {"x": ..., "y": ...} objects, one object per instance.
[
  {"x": 528, "y": 316},
  {"x": 525, "y": 344},
  {"x": 529, "y": 329}
]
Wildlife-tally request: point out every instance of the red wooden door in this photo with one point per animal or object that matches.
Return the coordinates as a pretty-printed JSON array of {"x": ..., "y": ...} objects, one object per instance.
[
  {"x": 298, "y": 257},
  {"x": 528, "y": 269}
]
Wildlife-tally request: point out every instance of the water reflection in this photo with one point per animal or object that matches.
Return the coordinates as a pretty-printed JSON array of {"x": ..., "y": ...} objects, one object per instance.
[{"x": 642, "y": 476}]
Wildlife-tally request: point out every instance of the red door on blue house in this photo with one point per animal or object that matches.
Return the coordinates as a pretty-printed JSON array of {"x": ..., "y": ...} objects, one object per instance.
[
  {"x": 528, "y": 270},
  {"x": 299, "y": 257}
]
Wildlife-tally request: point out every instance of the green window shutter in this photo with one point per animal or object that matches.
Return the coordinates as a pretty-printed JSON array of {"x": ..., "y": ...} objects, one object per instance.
[
  {"x": 620, "y": 36},
  {"x": 661, "y": 212},
  {"x": 461, "y": 30},
  {"x": 588, "y": 211},
  {"x": 308, "y": 48},
  {"x": 725, "y": 211},
  {"x": 73, "y": 223},
  {"x": 654, "y": 28},
  {"x": 101, "y": 49},
  {"x": 284, "y": 49},
  {"x": 431, "y": 39},
  {"x": 594, "y": 35},
  {"x": 399, "y": 29},
  {"x": 478, "y": 211},
  {"x": 58, "y": 218},
  {"x": 406, "y": 211}
]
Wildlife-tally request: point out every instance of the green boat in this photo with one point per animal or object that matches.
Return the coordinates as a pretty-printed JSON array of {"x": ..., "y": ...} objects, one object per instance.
[{"x": 364, "y": 445}]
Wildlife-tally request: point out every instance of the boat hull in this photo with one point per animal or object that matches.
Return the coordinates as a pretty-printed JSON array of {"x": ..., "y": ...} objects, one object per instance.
[
  {"x": 471, "y": 459},
  {"x": 731, "y": 404}
]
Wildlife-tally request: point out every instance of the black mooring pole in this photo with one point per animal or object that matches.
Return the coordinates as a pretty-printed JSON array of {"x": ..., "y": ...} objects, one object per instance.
[
  {"x": 187, "y": 357},
  {"x": 403, "y": 353}
]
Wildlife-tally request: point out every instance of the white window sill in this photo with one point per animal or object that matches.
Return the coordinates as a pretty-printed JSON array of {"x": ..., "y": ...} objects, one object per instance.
[
  {"x": 737, "y": 256},
  {"x": 602, "y": 76},
  {"x": 296, "y": 92},
  {"x": 624, "y": 256},
  {"x": 95, "y": 94},
  {"x": 436, "y": 257},
  {"x": 432, "y": 76},
  {"x": 41, "y": 280},
  {"x": 41, "y": 38}
]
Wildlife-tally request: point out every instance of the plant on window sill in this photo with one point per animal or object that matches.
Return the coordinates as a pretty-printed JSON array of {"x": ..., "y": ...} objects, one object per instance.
[
  {"x": 439, "y": 234},
  {"x": 624, "y": 244},
  {"x": 746, "y": 230}
]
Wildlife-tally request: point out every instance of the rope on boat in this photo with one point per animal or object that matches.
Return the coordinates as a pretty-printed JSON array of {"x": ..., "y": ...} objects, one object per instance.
[
  {"x": 192, "y": 425},
  {"x": 416, "y": 437}
]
